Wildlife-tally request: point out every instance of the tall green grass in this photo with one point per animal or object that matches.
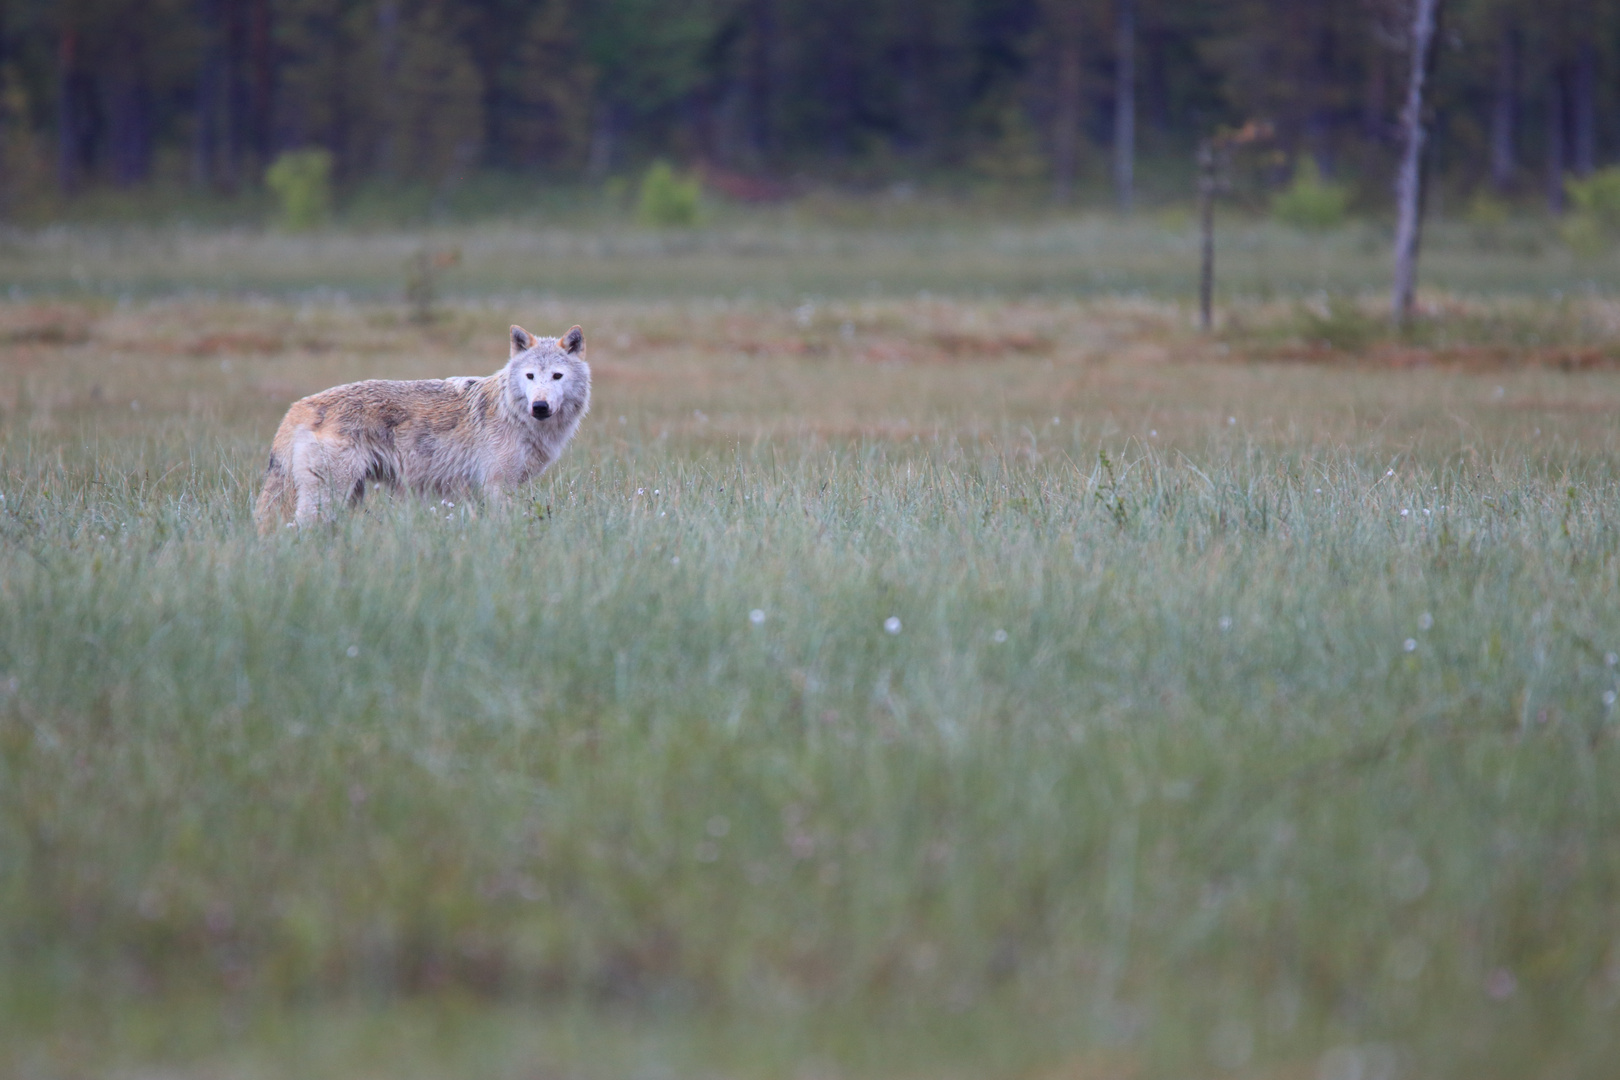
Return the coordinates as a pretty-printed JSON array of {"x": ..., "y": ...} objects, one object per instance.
[{"x": 1254, "y": 759}]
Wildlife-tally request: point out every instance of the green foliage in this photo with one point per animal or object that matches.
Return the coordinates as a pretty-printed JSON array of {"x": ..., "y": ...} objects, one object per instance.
[
  {"x": 1338, "y": 322},
  {"x": 1599, "y": 196},
  {"x": 667, "y": 199},
  {"x": 302, "y": 183},
  {"x": 422, "y": 271},
  {"x": 1310, "y": 202},
  {"x": 1488, "y": 211},
  {"x": 1594, "y": 226}
]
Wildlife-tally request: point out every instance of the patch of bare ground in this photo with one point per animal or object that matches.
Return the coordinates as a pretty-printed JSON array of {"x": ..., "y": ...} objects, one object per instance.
[
  {"x": 1461, "y": 358},
  {"x": 898, "y": 371}
]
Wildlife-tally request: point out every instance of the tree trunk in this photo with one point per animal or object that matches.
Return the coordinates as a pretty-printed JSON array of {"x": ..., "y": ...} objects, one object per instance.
[
  {"x": 1409, "y": 179},
  {"x": 1505, "y": 108},
  {"x": 1375, "y": 99},
  {"x": 842, "y": 78},
  {"x": 1125, "y": 105},
  {"x": 67, "y": 110},
  {"x": 261, "y": 88},
  {"x": 1206, "y": 234},
  {"x": 231, "y": 96},
  {"x": 1585, "y": 109},
  {"x": 206, "y": 107},
  {"x": 1066, "y": 109},
  {"x": 762, "y": 78},
  {"x": 917, "y": 92},
  {"x": 1557, "y": 154},
  {"x": 129, "y": 134},
  {"x": 604, "y": 140}
]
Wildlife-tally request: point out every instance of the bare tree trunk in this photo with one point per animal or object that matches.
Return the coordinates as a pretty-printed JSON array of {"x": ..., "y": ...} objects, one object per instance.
[
  {"x": 68, "y": 124},
  {"x": 1374, "y": 101},
  {"x": 916, "y": 81},
  {"x": 1557, "y": 154},
  {"x": 1206, "y": 234},
  {"x": 129, "y": 124},
  {"x": 1066, "y": 109},
  {"x": 762, "y": 79},
  {"x": 604, "y": 141},
  {"x": 1585, "y": 108},
  {"x": 261, "y": 67},
  {"x": 843, "y": 90},
  {"x": 1409, "y": 179},
  {"x": 205, "y": 134},
  {"x": 1125, "y": 105},
  {"x": 5, "y": 115},
  {"x": 1505, "y": 108}
]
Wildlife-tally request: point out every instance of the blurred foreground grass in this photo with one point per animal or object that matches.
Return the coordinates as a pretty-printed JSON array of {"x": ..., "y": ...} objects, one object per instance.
[{"x": 1236, "y": 718}]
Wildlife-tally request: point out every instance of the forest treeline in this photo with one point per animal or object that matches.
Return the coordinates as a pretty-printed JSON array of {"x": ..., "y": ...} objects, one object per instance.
[{"x": 1055, "y": 92}]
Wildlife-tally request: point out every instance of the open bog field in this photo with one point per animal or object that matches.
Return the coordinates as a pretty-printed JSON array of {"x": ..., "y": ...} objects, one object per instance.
[
  {"x": 845, "y": 249},
  {"x": 881, "y": 686}
]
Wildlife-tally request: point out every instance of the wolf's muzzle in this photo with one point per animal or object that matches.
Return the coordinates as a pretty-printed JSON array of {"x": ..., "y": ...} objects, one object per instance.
[{"x": 540, "y": 409}]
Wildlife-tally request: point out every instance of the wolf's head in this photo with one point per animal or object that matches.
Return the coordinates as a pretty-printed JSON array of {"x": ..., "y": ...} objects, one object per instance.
[{"x": 548, "y": 378}]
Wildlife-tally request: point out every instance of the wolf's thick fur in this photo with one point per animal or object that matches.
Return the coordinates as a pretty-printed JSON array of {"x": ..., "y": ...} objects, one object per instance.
[{"x": 438, "y": 436}]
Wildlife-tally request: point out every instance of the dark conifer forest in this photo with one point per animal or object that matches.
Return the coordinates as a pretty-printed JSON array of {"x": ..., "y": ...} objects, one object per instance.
[{"x": 1104, "y": 100}]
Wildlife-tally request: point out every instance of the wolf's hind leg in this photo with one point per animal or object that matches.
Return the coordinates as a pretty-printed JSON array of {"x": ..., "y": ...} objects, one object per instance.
[
  {"x": 321, "y": 478},
  {"x": 312, "y": 502}
]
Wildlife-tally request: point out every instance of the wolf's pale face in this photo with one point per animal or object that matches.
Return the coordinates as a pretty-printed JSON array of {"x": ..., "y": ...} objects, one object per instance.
[{"x": 548, "y": 376}]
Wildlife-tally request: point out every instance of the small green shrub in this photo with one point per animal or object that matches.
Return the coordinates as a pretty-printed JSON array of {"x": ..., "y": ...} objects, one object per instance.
[
  {"x": 1595, "y": 225},
  {"x": 1310, "y": 202},
  {"x": 1488, "y": 211},
  {"x": 1337, "y": 322},
  {"x": 302, "y": 183},
  {"x": 667, "y": 199}
]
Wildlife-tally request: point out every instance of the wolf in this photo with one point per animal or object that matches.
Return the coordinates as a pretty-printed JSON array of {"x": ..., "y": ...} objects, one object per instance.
[{"x": 431, "y": 436}]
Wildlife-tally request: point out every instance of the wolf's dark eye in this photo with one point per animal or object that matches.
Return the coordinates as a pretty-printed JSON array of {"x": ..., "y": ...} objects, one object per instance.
[
  {"x": 556, "y": 374},
  {"x": 531, "y": 375}
]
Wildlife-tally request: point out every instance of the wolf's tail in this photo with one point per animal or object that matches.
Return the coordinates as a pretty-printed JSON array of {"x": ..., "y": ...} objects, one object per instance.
[{"x": 275, "y": 503}]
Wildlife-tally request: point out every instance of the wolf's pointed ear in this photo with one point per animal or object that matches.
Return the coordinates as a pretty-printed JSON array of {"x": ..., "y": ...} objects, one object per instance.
[
  {"x": 521, "y": 340},
  {"x": 572, "y": 342}
]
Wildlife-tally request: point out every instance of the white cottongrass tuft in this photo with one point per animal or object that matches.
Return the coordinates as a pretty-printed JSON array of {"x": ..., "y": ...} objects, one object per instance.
[
  {"x": 1410, "y": 645},
  {"x": 757, "y": 617},
  {"x": 1609, "y": 697},
  {"x": 1224, "y": 622},
  {"x": 352, "y": 651},
  {"x": 891, "y": 625},
  {"x": 999, "y": 637}
]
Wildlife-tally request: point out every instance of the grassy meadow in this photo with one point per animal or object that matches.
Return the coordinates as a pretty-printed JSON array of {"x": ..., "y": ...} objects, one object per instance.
[{"x": 932, "y": 658}]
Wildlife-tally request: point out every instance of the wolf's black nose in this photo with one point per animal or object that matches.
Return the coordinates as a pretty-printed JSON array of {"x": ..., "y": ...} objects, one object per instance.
[{"x": 541, "y": 410}]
